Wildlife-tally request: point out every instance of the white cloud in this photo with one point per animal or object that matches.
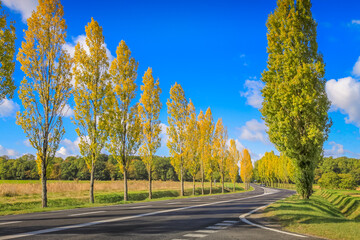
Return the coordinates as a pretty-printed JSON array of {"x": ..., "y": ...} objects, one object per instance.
[
  {"x": 67, "y": 111},
  {"x": 8, "y": 152},
  {"x": 253, "y": 131},
  {"x": 8, "y": 108},
  {"x": 344, "y": 95},
  {"x": 163, "y": 134},
  {"x": 69, "y": 148},
  {"x": 27, "y": 143},
  {"x": 24, "y": 7},
  {"x": 355, "y": 21},
  {"x": 337, "y": 150},
  {"x": 70, "y": 47},
  {"x": 253, "y": 94},
  {"x": 356, "y": 68}
]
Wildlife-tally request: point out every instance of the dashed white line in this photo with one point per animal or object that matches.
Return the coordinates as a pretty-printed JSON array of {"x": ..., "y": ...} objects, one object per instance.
[
  {"x": 206, "y": 231},
  {"x": 5, "y": 223},
  {"x": 86, "y": 213},
  {"x": 136, "y": 207},
  {"x": 230, "y": 222},
  {"x": 195, "y": 235},
  {"x": 215, "y": 227},
  {"x": 174, "y": 203},
  {"x": 224, "y": 224}
]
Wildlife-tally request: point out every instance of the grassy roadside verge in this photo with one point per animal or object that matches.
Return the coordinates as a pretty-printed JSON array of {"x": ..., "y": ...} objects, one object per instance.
[
  {"x": 322, "y": 215},
  {"x": 32, "y": 203}
]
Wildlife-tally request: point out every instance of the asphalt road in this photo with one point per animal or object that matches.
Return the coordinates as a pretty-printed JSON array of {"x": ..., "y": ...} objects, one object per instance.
[{"x": 209, "y": 217}]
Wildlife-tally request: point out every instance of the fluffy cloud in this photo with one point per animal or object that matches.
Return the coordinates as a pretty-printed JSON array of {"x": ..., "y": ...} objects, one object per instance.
[
  {"x": 67, "y": 111},
  {"x": 252, "y": 93},
  {"x": 337, "y": 150},
  {"x": 344, "y": 95},
  {"x": 69, "y": 148},
  {"x": 253, "y": 131},
  {"x": 8, "y": 152},
  {"x": 8, "y": 108},
  {"x": 70, "y": 47},
  {"x": 356, "y": 68},
  {"x": 355, "y": 21},
  {"x": 24, "y": 7},
  {"x": 163, "y": 134}
]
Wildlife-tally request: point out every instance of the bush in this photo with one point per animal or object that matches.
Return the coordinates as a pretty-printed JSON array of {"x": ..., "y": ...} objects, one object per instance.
[
  {"x": 329, "y": 180},
  {"x": 347, "y": 181}
]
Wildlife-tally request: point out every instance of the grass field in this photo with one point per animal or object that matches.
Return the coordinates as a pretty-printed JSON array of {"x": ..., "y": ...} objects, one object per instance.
[
  {"x": 332, "y": 214},
  {"x": 18, "y": 197}
]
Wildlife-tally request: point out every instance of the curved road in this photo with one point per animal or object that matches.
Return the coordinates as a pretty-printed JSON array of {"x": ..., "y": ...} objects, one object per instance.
[{"x": 208, "y": 217}]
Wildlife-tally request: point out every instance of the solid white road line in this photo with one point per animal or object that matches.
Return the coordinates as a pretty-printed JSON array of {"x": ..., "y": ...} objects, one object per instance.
[
  {"x": 136, "y": 207},
  {"x": 195, "y": 235},
  {"x": 206, "y": 231},
  {"x": 6, "y": 223},
  {"x": 86, "y": 213},
  {"x": 57, "y": 229},
  {"x": 173, "y": 203},
  {"x": 243, "y": 218}
]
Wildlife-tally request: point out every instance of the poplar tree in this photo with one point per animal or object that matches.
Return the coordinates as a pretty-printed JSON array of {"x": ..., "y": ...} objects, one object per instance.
[
  {"x": 210, "y": 165},
  {"x": 177, "y": 113},
  {"x": 7, "y": 54},
  {"x": 246, "y": 168},
  {"x": 149, "y": 109},
  {"x": 124, "y": 119},
  {"x": 233, "y": 160},
  {"x": 46, "y": 86},
  {"x": 92, "y": 96},
  {"x": 295, "y": 103},
  {"x": 220, "y": 139},
  {"x": 192, "y": 143}
]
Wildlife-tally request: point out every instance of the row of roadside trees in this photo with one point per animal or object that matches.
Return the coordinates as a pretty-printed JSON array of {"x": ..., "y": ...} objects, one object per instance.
[{"x": 105, "y": 113}]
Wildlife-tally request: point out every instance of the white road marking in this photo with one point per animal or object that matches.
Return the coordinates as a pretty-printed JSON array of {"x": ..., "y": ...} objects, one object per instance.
[
  {"x": 87, "y": 213},
  {"x": 5, "y": 223},
  {"x": 136, "y": 207},
  {"x": 206, "y": 231},
  {"x": 230, "y": 222},
  {"x": 57, "y": 229},
  {"x": 224, "y": 224},
  {"x": 195, "y": 235},
  {"x": 243, "y": 218},
  {"x": 215, "y": 227},
  {"x": 174, "y": 203}
]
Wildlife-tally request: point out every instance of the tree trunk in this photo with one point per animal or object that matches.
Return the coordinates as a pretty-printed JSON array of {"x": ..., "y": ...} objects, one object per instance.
[
  {"x": 150, "y": 186},
  {"x": 43, "y": 182},
  {"x": 202, "y": 181},
  {"x": 193, "y": 185},
  {"x": 182, "y": 181},
  {"x": 126, "y": 198},
  {"x": 222, "y": 183},
  {"x": 233, "y": 186},
  {"x": 210, "y": 185},
  {"x": 92, "y": 182}
]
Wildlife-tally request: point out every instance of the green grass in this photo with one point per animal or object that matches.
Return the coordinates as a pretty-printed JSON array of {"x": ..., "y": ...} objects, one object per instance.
[
  {"x": 31, "y": 203},
  {"x": 327, "y": 214}
]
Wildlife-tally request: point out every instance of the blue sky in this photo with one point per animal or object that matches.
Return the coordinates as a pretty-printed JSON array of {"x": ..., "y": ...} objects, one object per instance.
[{"x": 216, "y": 50}]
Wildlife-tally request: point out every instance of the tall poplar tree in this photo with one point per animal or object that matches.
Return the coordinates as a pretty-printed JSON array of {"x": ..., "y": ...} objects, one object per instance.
[
  {"x": 220, "y": 139},
  {"x": 192, "y": 143},
  {"x": 7, "y": 54},
  {"x": 46, "y": 86},
  {"x": 210, "y": 164},
  {"x": 92, "y": 96},
  {"x": 233, "y": 160},
  {"x": 124, "y": 119},
  {"x": 246, "y": 168},
  {"x": 177, "y": 116},
  {"x": 149, "y": 110},
  {"x": 295, "y": 103}
]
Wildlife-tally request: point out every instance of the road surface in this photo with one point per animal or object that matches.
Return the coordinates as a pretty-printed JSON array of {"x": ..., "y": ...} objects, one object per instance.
[{"x": 209, "y": 217}]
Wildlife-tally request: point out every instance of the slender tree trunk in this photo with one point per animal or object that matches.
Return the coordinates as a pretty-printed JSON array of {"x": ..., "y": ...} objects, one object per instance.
[
  {"x": 92, "y": 182},
  {"x": 193, "y": 185},
  {"x": 202, "y": 180},
  {"x": 210, "y": 185},
  {"x": 222, "y": 183},
  {"x": 126, "y": 198},
  {"x": 182, "y": 181},
  {"x": 233, "y": 186},
  {"x": 43, "y": 182},
  {"x": 150, "y": 185}
]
